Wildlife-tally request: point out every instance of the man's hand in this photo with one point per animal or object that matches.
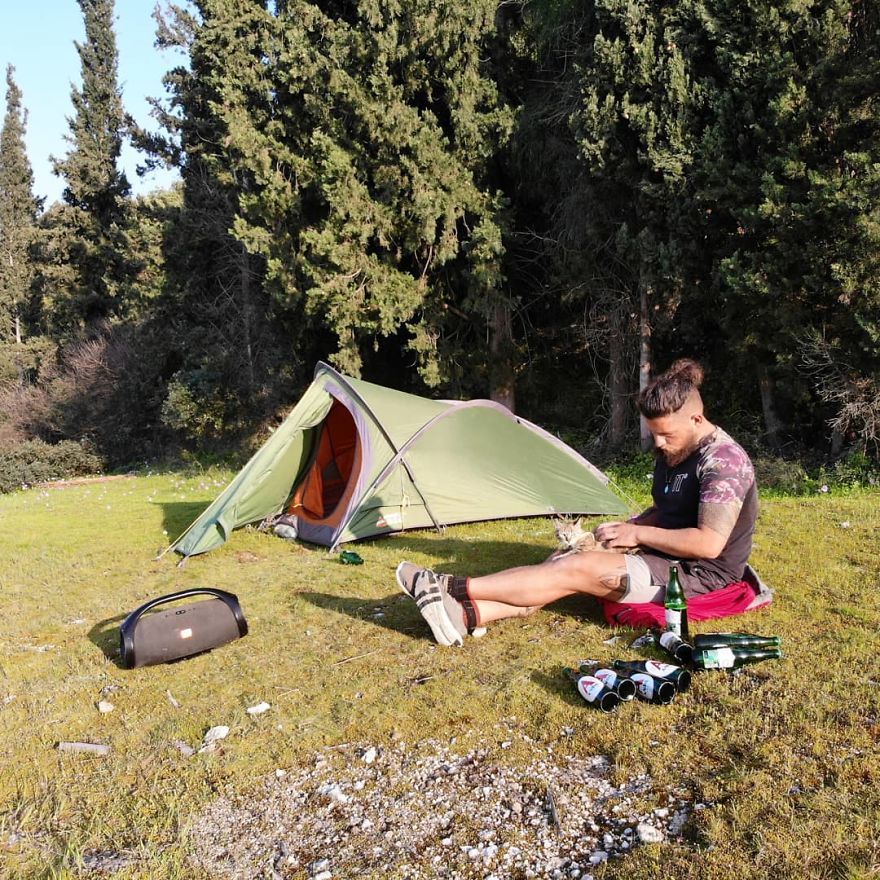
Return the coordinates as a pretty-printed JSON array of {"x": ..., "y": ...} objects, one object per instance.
[{"x": 617, "y": 535}]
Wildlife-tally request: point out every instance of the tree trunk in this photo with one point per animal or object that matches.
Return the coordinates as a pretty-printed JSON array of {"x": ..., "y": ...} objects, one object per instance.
[
  {"x": 772, "y": 423},
  {"x": 645, "y": 354},
  {"x": 17, "y": 329},
  {"x": 617, "y": 384},
  {"x": 247, "y": 317},
  {"x": 502, "y": 372}
]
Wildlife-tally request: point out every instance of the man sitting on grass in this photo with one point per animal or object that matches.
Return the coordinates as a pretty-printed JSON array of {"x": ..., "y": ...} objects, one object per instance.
[{"x": 704, "y": 512}]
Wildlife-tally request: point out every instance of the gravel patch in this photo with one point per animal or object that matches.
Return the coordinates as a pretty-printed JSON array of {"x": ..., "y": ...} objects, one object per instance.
[{"x": 425, "y": 811}]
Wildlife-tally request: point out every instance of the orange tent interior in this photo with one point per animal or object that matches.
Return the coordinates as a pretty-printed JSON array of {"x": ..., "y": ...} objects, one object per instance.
[{"x": 327, "y": 484}]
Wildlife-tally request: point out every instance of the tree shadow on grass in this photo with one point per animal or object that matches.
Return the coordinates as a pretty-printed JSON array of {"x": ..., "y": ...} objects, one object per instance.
[
  {"x": 177, "y": 516},
  {"x": 476, "y": 558},
  {"x": 464, "y": 556},
  {"x": 400, "y": 614},
  {"x": 585, "y": 608}
]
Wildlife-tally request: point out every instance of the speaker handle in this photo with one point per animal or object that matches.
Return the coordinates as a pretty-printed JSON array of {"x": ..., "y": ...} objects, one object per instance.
[{"x": 126, "y": 630}]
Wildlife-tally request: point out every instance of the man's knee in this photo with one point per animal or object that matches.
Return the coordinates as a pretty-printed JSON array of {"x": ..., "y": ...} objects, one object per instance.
[
  {"x": 614, "y": 585},
  {"x": 595, "y": 573}
]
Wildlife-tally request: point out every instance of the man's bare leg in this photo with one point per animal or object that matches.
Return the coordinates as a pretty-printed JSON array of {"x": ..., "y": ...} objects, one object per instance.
[
  {"x": 489, "y": 611},
  {"x": 453, "y": 607},
  {"x": 518, "y": 592}
]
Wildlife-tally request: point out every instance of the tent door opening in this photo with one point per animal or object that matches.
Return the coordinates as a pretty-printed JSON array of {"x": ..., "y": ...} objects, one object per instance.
[{"x": 322, "y": 493}]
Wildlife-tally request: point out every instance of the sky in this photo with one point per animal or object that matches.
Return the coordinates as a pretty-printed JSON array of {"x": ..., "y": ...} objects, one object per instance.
[{"x": 37, "y": 38}]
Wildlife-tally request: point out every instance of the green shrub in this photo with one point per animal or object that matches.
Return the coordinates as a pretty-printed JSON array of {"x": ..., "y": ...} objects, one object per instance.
[
  {"x": 775, "y": 476},
  {"x": 26, "y": 361},
  {"x": 198, "y": 405},
  {"x": 784, "y": 477},
  {"x": 855, "y": 471},
  {"x": 778, "y": 475},
  {"x": 35, "y": 461},
  {"x": 633, "y": 475}
]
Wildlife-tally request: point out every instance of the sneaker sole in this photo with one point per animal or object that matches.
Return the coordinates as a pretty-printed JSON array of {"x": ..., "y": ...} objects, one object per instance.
[
  {"x": 431, "y": 608},
  {"x": 430, "y": 605},
  {"x": 400, "y": 582}
]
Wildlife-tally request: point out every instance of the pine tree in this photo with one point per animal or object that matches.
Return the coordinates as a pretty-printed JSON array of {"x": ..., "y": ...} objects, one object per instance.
[
  {"x": 19, "y": 210},
  {"x": 786, "y": 181},
  {"x": 610, "y": 134},
  {"x": 230, "y": 342},
  {"x": 366, "y": 138},
  {"x": 96, "y": 193}
]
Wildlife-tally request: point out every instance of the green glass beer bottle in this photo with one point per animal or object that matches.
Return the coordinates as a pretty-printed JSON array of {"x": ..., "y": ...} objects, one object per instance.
[
  {"x": 623, "y": 687},
  {"x": 735, "y": 640},
  {"x": 733, "y": 657},
  {"x": 679, "y": 677},
  {"x": 676, "y": 605},
  {"x": 594, "y": 690}
]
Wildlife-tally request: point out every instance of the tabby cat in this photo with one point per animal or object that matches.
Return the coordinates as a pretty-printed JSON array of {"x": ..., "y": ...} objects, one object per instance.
[{"x": 573, "y": 539}]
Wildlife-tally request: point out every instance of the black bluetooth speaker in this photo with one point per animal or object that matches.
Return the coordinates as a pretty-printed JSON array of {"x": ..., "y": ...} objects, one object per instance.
[{"x": 155, "y": 634}]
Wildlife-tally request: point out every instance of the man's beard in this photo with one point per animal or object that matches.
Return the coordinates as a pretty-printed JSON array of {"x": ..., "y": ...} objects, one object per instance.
[{"x": 675, "y": 458}]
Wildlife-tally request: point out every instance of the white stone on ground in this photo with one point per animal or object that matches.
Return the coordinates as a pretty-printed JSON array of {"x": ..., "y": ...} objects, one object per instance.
[{"x": 649, "y": 833}]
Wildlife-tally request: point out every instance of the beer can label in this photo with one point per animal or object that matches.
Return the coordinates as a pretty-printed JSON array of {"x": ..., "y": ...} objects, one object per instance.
[
  {"x": 645, "y": 684},
  {"x": 659, "y": 670},
  {"x": 590, "y": 687},
  {"x": 673, "y": 621},
  {"x": 718, "y": 658}
]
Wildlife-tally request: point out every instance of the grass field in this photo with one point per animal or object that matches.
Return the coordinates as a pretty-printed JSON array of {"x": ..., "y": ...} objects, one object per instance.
[{"x": 784, "y": 755}]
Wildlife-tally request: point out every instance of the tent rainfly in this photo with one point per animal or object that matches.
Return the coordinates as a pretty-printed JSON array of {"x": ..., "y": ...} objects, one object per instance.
[{"x": 354, "y": 460}]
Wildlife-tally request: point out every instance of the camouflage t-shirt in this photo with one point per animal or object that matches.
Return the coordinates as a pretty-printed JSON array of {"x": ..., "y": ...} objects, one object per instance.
[{"x": 719, "y": 471}]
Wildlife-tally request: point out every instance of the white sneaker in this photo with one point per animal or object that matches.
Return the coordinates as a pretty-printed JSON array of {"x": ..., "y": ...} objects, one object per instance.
[{"x": 424, "y": 587}]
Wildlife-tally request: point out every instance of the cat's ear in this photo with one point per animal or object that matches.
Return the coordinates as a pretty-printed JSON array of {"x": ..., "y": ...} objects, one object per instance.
[{"x": 577, "y": 522}]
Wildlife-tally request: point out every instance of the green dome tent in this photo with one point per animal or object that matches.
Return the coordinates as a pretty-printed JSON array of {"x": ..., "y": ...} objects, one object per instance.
[{"x": 354, "y": 460}]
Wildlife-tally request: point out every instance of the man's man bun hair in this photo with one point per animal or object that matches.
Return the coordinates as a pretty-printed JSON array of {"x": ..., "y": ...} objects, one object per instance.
[
  {"x": 688, "y": 370},
  {"x": 667, "y": 393}
]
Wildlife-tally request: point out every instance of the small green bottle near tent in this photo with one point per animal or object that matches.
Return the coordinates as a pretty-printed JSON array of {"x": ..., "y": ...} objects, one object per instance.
[{"x": 355, "y": 460}]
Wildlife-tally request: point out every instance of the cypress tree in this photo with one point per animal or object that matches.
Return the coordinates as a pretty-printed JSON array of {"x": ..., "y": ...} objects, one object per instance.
[
  {"x": 611, "y": 135},
  {"x": 93, "y": 224},
  {"x": 228, "y": 342},
  {"x": 786, "y": 181},
  {"x": 368, "y": 137},
  {"x": 730, "y": 156},
  {"x": 840, "y": 354},
  {"x": 18, "y": 215}
]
